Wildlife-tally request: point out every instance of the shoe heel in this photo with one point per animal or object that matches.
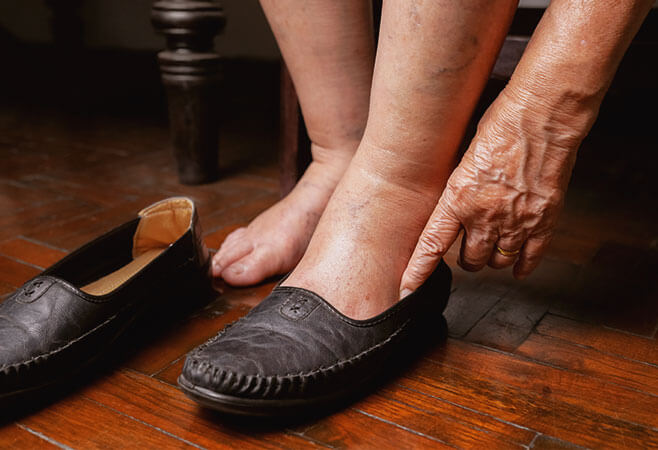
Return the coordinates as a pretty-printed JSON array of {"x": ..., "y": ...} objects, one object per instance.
[{"x": 197, "y": 290}]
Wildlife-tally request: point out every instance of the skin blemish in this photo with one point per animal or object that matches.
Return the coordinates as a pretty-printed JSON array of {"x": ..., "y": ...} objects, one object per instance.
[{"x": 355, "y": 210}]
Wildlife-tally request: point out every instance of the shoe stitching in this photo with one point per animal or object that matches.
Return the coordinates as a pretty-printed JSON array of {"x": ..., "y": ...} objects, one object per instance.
[{"x": 298, "y": 376}]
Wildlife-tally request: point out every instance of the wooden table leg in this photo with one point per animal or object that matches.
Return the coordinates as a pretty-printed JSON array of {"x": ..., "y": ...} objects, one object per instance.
[{"x": 190, "y": 72}]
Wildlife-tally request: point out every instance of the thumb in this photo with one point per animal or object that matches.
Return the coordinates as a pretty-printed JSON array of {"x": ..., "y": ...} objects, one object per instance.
[{"x": 440, "y": 232}]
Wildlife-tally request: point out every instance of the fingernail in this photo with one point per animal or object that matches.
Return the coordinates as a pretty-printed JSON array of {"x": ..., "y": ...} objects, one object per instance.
[{"x": 404, "y": 292}]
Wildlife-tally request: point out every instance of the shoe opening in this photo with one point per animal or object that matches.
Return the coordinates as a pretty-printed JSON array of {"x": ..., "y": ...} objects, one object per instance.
[{"x": 160, "y": 225}]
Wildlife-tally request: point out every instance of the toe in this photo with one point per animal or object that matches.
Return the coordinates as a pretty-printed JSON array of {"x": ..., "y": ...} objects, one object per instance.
[
  {"x": 228, "y": 254},
  {"x": 253, "y": 268},
  {"x": 233, "y": 237}
]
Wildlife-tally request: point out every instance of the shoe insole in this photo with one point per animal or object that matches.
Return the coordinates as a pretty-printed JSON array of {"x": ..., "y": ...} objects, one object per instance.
[{"x": 113, "y": 280}]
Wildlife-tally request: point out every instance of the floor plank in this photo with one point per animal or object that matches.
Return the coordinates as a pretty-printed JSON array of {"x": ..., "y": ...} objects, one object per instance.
[
  {"x": 71, "y": 234},
  {"x": 348, "y": 430},
  {"x": 13, "y": 436},
  {"x": 40, "y": 217},
  {"x": 31, "y": 252},
  {"x": 618, "y": 289},
  {"x": 78, "y": 422},
  {"x": 522, "y": 407},
  {"x": 476, "y": 420},
  {"x": 560, "y": 385},
  {"x": 6, "y": 289},
  {"x": 544, "y": 442},
  {"x": 587, "y": 361},
  {"x": 15, "y": 273},
  {"x": 420, "y": 414},
  {"x": 600, "y": 338},
  {"x": 165, "y": 407},
  {"x": 473, "y": 295},
  {"x": 509, "y": 322}
]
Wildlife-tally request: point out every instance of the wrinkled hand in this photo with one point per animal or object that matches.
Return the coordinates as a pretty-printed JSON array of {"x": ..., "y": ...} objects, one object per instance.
[{"x": 506, "y": 193}]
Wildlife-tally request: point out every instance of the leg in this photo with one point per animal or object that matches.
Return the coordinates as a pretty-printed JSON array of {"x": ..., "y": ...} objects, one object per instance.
[
  {"x": 432, "y": 63},
  {"x": 328, "y": 47},
  {"x": 294, "y": 144}
]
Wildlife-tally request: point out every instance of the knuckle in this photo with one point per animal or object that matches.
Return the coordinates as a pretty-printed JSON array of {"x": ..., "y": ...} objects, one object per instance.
[
  {"x": 511, "y": 237},
  {"x": 480, "y": 239},
  {"x": 430, "y": 244},
  {"x": 470, "y": 264}
]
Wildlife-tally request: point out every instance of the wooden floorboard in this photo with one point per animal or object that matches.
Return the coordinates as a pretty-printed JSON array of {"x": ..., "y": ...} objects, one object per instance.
[
  {"x": 31, "y": 252},
  {"x": 556, "y": 384},
  {"x": 565, "y": 359},
  {"x": 165, "y": 407},
  {"x": 527, "y": 408},
  {"x": 20, "y": 436},
  {"x": 80, "y": 422},
  {"x": 356, "y": 429},
  {"x": 638, "y": 348},
  {"x": 631, "y": 374},
  {"x": 415, "y": 412}
]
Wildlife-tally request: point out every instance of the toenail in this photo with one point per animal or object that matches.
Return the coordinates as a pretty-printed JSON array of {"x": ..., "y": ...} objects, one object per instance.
[
  {"x": 236, "y": 269},
  {"x": 404, "y": 292},
  {"x": 216, "y": 268}
]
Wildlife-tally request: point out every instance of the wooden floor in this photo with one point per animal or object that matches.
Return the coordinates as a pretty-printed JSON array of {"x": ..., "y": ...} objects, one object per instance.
[{"x": 567, "y": 358}]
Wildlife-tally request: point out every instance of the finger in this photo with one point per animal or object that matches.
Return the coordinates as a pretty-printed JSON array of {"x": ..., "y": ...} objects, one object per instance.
[
  {"x": 440, "y": 232},
  {"x": 476, "y": 250},
  {"x": 510, "y": 244},
  {"x": 530, "y": 256}
]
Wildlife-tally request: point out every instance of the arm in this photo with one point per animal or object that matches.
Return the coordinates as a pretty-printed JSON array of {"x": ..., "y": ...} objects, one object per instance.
[{"x": 509, "y": 188}]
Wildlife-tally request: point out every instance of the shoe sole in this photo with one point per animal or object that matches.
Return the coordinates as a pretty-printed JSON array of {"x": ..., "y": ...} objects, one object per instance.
[{"x": 253, "y": 407}]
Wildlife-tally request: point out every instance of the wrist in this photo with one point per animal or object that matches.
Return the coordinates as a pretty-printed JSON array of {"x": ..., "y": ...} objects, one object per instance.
[{"x": 550, "y": 106}]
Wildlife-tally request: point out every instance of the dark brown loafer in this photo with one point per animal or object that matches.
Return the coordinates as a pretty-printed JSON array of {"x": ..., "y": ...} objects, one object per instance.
[
  {"x": 70, "y": 314},
  {"x": 295, "y": 351}
]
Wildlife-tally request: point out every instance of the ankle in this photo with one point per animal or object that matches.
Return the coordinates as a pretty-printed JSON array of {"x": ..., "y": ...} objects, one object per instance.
[
  {"x": 328, "y": 165},
  {"x": 398, "y": 170}
]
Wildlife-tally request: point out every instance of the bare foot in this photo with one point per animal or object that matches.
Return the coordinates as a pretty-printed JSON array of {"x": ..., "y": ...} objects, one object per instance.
[
  {"x": 363, "y": 242},
  {"x": 275, "y": 241}
]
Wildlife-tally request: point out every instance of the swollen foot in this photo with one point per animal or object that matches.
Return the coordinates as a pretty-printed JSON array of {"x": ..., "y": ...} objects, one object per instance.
[
  {"x": 276, "y": 240},
  {"x": 363, "y": 242}
]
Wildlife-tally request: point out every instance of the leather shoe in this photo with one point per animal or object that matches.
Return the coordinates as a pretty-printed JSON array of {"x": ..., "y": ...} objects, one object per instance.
[
  {"x": 70, "y": 314},
  {"x": 295, "y": 351}
]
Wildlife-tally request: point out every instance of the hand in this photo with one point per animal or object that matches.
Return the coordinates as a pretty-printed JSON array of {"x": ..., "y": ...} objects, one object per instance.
[{"x": 505, "y": 194}]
